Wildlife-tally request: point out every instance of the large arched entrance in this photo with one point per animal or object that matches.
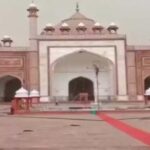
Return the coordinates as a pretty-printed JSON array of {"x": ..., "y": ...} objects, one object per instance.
[
  {"x": 8, "y": 87},
  {"x": 81, "y": 67},
  {"x": 147, "y": 83},
  {"x": 80, "y": 85}
]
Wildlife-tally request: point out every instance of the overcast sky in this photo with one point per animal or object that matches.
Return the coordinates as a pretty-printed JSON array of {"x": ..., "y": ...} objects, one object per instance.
[{"x": 132, "y": 16}]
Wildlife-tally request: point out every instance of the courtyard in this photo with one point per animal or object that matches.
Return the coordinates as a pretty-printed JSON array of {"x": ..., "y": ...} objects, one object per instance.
[{"x": 76, "y": 131}]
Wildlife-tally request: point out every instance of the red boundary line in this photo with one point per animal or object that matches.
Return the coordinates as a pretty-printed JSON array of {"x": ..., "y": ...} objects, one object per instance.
[{"x": 132, "y": 131}]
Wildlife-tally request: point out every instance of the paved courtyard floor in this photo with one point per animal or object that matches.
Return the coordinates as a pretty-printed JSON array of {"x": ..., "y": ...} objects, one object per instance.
[{"x": 73, "y": 132}]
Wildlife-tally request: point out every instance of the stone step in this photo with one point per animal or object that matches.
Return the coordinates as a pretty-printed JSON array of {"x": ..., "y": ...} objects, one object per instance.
[{"x": 83, "y": 107}]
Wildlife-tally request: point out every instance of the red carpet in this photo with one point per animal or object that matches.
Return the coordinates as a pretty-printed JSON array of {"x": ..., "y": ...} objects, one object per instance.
[{"x": 134, "y": 132}]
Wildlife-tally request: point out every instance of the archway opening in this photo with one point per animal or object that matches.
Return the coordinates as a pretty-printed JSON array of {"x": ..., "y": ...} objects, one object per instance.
[
  {"x": 147, "y": 83},
  {"x": 82, "y": 64},
  {"x": 81, "y": 85},
  {"x": 8, "y": 86}
]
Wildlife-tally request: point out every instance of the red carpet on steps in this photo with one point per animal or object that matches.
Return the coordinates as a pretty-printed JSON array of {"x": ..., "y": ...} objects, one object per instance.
[{"x": 136, "y": 133}]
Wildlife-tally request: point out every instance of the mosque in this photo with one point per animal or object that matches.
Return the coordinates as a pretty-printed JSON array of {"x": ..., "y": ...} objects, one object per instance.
[{"x": 77, "y": 57}]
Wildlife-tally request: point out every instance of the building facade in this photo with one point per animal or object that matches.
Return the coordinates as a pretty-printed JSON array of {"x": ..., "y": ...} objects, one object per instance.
[{"x": 78, "y": 56}]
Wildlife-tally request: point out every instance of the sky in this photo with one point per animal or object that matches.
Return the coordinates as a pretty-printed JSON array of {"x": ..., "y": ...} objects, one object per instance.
[{"x": 132, "y": 17}]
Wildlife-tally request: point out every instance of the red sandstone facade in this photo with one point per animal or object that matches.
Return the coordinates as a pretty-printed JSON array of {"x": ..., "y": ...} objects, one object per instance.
[
  {"x": 138, "y": 67},
  {"x": 21, "y": 65}
]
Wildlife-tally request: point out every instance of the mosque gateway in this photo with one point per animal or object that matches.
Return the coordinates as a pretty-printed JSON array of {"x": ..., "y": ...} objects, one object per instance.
[{"x": 77, "y": 59}]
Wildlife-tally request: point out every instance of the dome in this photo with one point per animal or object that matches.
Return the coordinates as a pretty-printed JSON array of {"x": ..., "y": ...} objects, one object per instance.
[
  {"x": 65, "y": 25},
  {"x": 72, "y": 23},
  {"x": 81, "y": 24},
  {"x": 81, "y": 27},
  {"x": 32, "y": 6},
  {"x": 34, "y": 93},
  {"x": 7, "y": 39},
  {"x": 112, "y": 26},
  {"x": 6, "y": 36},
  {"x": 79, "y": 19},
  {"x": 21, "y": 93},
  {"x": 76, "y": 23},
  {"x": 97, "y": 24},
  {"x": 49, "y": 27},
  {"x": 97, "y": 27}
]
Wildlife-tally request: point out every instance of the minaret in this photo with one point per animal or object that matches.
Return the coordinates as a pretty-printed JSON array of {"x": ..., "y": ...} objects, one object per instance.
[
  {"x": 33, "y": 26},
  {"x": 33, "y": 54}
]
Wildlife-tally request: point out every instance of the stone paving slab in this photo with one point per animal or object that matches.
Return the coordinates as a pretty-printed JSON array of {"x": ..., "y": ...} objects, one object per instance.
[
  {"x": 80, "y": 132},
  {"x": 138, "y": 119},
  {"x": 102, "y": 148},
  {"x": 68, "y": 131}
]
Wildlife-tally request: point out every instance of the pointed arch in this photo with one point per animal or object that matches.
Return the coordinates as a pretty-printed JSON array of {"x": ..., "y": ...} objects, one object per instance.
[
  {"x": 14, "y": 75},
  {"x": 8, "y": 86},
  {"x": 81, "y": 64},
  {"x": 80, "y": 85},
  {"x": 80, "y": 52}
]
